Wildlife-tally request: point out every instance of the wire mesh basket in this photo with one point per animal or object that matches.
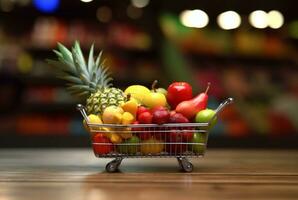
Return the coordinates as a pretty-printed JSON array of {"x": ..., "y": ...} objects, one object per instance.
[{"x": 180, "y": 140}]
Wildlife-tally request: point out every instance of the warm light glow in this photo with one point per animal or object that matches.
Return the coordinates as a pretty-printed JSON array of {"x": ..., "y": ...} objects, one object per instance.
[
  {"x": 229, "y": 20},
  {"x": 140, "y": 3},
  {"x": 194, "y": 18},
  {"x": 86, "y": 1},
  {"x": 258, "y": 19},
  {"x": 275, "y": 19},
  {"x": 104, "y": 14}
]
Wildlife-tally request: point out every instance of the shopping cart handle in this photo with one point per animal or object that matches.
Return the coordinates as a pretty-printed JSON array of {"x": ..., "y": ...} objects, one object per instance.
[
  {"x": 220, "y": 107},
  {"x": 82, "y": 110}
]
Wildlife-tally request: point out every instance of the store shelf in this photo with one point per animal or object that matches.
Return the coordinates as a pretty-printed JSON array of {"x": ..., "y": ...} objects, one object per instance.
[{"x": 244, "y": 60}]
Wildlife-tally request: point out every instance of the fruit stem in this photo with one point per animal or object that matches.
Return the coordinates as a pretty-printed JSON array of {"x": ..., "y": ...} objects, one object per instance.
[
  {"x": 208, "y": 86},
  {"x": 154, "y": 85},
  {"x": 128, "y": 96}
]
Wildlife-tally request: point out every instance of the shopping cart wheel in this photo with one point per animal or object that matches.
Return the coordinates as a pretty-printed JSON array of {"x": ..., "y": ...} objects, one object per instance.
[
  {"x": 113, "y": 165},
  {"x": 185, "y": 164}
]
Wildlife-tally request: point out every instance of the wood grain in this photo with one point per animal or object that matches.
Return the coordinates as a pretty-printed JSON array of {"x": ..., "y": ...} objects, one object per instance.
[{"x": 77, "y": 174}]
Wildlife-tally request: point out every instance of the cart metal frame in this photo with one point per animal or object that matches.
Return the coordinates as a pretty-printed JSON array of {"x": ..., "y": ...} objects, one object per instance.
[{"x": 178, "y": 146}]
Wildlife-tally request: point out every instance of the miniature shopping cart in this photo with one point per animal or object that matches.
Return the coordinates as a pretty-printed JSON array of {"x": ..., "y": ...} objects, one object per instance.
[{"x": 179, "y": 140}]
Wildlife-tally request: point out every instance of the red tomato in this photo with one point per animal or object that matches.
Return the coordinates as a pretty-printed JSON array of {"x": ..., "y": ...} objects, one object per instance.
[{"x": 101, "y": 144}]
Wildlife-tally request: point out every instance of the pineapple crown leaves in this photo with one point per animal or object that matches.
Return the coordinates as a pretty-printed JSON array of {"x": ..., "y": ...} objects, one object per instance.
[{"x": 82, "y": 78}]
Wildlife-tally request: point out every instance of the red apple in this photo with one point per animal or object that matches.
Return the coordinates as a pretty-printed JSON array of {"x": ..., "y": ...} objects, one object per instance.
[
  {"x": 160, "y": 115},
  {"x": 178, "y": 92},
  {"x": 145, "y": 118},
  {"x": 185, "y": 134}
]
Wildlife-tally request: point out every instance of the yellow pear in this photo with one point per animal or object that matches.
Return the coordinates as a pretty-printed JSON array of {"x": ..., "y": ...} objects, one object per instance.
[
  {"x": 138, "y": 92},
  {"x": 112, "y": 115},
  {"x": 130, "y": 106}
]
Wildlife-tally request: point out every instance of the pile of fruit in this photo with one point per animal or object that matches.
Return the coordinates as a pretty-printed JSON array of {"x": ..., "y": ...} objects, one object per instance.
[{"x": 135, "y": 105}]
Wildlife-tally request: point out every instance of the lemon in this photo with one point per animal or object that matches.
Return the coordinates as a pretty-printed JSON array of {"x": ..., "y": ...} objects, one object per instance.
[{"x": 138, "y": 92}]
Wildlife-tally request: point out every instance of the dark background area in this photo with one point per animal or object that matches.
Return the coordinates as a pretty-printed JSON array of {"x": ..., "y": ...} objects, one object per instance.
[{"x": 258, "y": 67}]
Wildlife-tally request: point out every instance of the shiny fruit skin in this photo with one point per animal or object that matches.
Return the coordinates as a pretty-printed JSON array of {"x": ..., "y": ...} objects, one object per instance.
[
  {"x": 178, "y": 92},
  {"x": 179, "y": 118},
  {"x": 160, "y": 116},
  {"x": 138, "y": 92},
  {"x": 145, "y": 118},
  {"x": 204, "y": 116},
  {"x": 155, "y": 99},
  {"x": 101, "y": 148},
  {"x": 190, "y": 108},
  {"x": 142, "y": 109},
  {"x": 198, "y": 138}
]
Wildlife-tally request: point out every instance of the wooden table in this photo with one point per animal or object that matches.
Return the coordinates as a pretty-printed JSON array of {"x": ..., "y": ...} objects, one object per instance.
[{"x": 76, "y": 174}]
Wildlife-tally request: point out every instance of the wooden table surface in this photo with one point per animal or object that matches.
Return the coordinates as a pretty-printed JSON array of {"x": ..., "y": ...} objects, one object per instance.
[{"x": 76, "y": 174}]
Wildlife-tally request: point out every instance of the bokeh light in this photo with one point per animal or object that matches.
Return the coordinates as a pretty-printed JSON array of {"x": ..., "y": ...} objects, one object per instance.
[
  {"x": 229, "y": 20},
  {"x": 194, "y": 18},
  {"x": 275, "y": 19},
  {"x": 104, "y": 14},
  {"x": 258, "y": 19},
  {"x": 140, "y": 3},
  {"x": 46, "y": 6}
]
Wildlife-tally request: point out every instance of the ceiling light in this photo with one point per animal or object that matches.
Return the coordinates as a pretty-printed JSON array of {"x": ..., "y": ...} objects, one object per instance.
[
  {"x": 275, "y": 19},
  {"x": 140, "y": 3},
  {"x": 258, "y": 19},
  {"x": 194, "y": 18},
  {"x": 86, "y": 1},
  {"x": 229, "y": 20}
]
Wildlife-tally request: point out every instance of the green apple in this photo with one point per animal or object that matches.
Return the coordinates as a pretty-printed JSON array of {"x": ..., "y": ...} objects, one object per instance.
[
  {"x": 129, "y": 146},
  {"x": 204, "y": 116},
  {"x": 198, "y": 138}
]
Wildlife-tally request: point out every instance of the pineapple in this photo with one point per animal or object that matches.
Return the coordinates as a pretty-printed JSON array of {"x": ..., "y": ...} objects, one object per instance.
[{"x": 91, "y": 80}]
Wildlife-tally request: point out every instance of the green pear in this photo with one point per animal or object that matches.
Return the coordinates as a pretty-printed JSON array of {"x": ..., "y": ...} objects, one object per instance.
[
  {"x": 198, "y": 139},
  {"x": 204, "y": 116}
]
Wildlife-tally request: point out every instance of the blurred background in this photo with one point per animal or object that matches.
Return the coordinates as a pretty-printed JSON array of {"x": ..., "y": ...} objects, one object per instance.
[{"x": 246, "y": 49}]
